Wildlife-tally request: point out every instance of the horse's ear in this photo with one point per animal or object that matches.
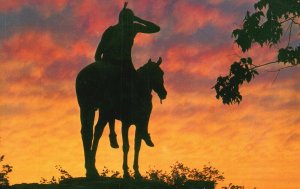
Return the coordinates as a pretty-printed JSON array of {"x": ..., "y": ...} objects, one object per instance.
[
  {"x": 159, "y": 61},
  {"x": 149, "y": 61}
]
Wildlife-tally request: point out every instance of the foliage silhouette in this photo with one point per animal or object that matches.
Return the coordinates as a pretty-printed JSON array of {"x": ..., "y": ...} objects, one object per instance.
[
  {"x": 6, "y": 169},
  {"x": 110, "y": 173},
  {"x": 265, "y": 27},
  {"x": 63, "y": 176},
  {"x": 180, "y": 174}
]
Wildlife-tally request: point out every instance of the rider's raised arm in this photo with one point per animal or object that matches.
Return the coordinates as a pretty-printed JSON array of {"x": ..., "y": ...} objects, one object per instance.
[{"x": 145, "y": 26}]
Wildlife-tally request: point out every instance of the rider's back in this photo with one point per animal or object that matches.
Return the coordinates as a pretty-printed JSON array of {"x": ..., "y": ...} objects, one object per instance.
[{"x": 118, "y": 44}]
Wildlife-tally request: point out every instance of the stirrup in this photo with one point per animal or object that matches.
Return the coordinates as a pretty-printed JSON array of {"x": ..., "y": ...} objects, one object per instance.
[
  {"x": 113, "y": 141},
  {"x": 148, "y": 140}
]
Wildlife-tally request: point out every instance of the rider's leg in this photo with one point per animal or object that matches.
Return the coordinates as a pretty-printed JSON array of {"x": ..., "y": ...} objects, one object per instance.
[
  {"x": 142, "y": 129},
  {"x": 110, "y": 107}
]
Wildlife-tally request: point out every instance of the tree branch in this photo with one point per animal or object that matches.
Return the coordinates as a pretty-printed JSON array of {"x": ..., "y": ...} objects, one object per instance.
[
  {"x": 291, "y": 18},
  {"x": 275, "y": 77},
  {"x": 295, "y": 22},
  {"x": 278, "y": 71}
]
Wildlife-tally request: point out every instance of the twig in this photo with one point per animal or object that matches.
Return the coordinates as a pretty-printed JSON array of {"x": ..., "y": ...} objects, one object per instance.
[
  {"x": 264, "y": 64},
  {"x": 291, "y": 18},
  {"x": 275, "y": 77},
  {"x": 295, "y": 22},
  {"x": 282, "y": 68},
  {"x": 278, "y": 71},
  {"x": 291, "y": 25}
]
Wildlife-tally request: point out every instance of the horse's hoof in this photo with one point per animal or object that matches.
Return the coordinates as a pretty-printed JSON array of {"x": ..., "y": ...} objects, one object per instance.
[
  {"x": 126, "y": 176},
  {"x": 138, "y": 176},
  {"x": 92, "y": 174}
]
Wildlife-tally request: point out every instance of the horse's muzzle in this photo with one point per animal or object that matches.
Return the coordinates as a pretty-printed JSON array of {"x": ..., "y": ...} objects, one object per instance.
[{"x": 163, "y": 95}]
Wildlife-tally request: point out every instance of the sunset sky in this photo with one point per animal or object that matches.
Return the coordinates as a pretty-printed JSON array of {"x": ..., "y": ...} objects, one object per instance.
[{"x": 45, "y": 43}]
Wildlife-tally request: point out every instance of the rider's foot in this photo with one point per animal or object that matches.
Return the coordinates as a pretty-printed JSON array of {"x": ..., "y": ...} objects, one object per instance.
[
  {"x": 113, "y": 141},
  {"x": 148, "y": 140}
]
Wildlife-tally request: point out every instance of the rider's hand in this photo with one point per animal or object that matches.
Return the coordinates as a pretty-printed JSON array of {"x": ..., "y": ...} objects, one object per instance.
[{"x": 137, "y": 19}]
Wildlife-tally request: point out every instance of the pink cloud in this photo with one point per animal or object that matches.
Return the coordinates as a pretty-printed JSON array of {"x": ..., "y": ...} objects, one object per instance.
[
  {"x": 94, "y": 16},
  {"x": 189, "y": 18},
  {"x": 178, "y": 56},
  {"x": 148, "y": 9},
  {"x": 143, "y": 40},
  {"x": 29, "y": 47},
  {"x": 199, "y": 60}
]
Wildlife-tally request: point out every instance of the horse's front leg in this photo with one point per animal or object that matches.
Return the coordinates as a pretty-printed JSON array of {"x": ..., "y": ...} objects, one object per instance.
[
  {"x": 125, "y": 129},
  {"x": 87, "y": 116},
  {"x": 137, "y": 147}
]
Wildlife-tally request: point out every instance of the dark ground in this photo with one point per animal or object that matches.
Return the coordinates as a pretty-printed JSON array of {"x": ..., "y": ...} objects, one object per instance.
[{"x": 112, "y": 183}]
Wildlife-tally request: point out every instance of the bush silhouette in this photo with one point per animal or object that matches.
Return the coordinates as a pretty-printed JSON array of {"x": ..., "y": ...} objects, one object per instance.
[
  {"x": 6, "y": 169},
  {"x": 180, "y": 174},
  {"x": 63, "y": 176}
]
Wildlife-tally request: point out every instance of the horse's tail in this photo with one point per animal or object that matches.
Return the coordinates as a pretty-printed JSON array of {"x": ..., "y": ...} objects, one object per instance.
[{"x": 88, "y": 87}]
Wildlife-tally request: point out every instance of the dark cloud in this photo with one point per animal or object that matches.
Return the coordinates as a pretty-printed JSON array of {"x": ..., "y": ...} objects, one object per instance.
[{"x": 63, "y": 25}]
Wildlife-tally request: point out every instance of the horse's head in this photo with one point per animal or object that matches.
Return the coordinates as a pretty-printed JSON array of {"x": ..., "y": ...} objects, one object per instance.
[{"x": 156, "y": 78}]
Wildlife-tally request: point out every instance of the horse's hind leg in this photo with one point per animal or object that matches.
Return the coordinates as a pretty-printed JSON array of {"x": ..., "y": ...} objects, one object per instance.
[
  {"x": 102, "y": 121},
  {"x": 87, "y": 116},
  {"x": 125, "y": 128}
]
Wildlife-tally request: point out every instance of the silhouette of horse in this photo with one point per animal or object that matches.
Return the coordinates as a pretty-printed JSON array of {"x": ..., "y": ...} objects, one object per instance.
[{"x": 99, "y": 86}]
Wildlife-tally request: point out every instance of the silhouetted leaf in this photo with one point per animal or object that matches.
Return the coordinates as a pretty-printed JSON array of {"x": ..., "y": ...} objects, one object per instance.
[{"x": 264, "y": 27}]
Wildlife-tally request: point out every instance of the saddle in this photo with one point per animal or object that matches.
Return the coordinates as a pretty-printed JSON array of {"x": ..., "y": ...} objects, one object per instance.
[{"x": 120, "y": 91}]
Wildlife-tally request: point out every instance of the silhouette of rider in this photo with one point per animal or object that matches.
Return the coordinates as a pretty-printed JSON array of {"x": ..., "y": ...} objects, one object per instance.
[{"x": 115, "y": 48}]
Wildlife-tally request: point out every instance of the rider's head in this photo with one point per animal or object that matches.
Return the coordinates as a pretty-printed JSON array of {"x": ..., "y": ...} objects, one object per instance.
[{"x": 126, "y": 16}]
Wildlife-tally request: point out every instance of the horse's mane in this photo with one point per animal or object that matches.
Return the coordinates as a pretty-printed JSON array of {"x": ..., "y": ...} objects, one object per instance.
[{"x": 145, "y": 67}]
